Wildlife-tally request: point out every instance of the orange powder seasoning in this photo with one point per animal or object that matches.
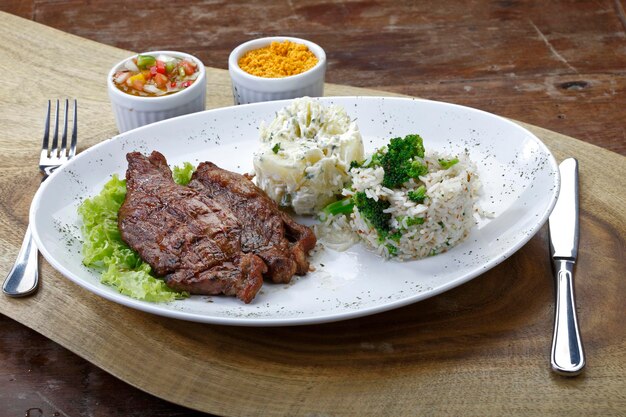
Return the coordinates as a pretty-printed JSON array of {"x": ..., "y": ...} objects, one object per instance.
[{"x": 279, "y": 59}]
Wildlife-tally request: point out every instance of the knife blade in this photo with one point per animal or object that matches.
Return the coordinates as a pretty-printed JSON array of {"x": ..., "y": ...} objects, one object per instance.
[{"x": 567, "y": 356}]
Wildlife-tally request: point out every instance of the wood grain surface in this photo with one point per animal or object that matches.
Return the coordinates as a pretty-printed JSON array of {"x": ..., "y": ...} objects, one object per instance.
[
  {"x": 558, "y": 64},
  {"x": 481, "y": 349}
]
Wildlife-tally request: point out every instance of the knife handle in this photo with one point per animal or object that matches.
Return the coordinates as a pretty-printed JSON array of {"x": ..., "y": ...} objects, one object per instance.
[{"x": 567, "y": 350}]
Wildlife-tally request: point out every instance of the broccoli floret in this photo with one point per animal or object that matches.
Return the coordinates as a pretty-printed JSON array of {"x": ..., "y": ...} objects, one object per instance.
[
  {"x": 398, "y": 160},
  {"x": 412, "y": 221},
  {"x": 372, "y": 211},
  {"x": 418, "y": 195},
  {"x": 375, "y": 160},
  {"x": 395, "y": 235},
  {"x": 399, "y": 163},
  {"x": 447, "y": 163},
  {"x": 417, "y": 169}
]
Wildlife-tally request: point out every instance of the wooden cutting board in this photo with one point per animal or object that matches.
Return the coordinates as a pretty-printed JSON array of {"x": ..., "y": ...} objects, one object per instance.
[{"x": 480, "y": 349}]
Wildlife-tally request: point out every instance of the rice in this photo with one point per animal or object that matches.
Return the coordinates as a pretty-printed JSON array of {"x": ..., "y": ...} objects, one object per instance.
[{"x": 447, "y": 210}]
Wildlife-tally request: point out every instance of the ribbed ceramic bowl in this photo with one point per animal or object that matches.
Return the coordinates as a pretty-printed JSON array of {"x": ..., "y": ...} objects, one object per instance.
[
  {"x": 248, "y": 88},
  {"x": 133, "y": 111}
]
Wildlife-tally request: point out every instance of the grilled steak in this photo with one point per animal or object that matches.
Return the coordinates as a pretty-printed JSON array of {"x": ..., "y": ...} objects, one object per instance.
[
  {"x": 219, "y": 235},
  {"x": 265, "y": 230},
  {"x": 191, "y": 240}
]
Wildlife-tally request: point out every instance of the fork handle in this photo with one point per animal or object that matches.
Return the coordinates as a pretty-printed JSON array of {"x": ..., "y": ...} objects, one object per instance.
[{"x": 24, "y": 276}]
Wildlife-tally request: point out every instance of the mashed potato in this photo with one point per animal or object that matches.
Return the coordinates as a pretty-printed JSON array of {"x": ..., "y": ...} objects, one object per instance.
[{"x": 305, "y": 155}]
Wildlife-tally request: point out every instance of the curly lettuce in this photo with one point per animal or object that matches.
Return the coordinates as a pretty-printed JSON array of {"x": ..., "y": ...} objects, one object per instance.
[
  {"x": 105, "y": 251},
  {"x": 182, "y": 175}
]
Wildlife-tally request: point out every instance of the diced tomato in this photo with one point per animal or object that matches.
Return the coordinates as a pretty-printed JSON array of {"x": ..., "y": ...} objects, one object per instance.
[
  {"x": 173, "y": 84},
  {"x": 146, "y": 74},
  {"x": 153, "y": 70},
  {"x": 160, "y": 80},
  {"x": 189, "y": 69},
  {"x": 160, "y": 67},
  {"x": 137, "y": 85},
  {"x": 187, "y": 83}
]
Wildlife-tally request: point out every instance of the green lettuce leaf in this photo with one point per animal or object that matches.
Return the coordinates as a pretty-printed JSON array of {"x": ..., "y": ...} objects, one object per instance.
[
  {"x": 105, "y": 251},
  {"x": 182, "y": 175}
]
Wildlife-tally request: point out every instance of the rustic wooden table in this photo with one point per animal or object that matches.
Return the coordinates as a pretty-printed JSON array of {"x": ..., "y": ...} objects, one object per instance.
[{"x": 559, "y": 65}]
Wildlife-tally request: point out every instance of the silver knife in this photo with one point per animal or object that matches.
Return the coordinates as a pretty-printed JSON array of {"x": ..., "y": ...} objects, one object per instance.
[{"x": 567, "y": 356}]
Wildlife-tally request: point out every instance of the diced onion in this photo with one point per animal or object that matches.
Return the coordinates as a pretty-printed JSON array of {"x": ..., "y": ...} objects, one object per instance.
[
  {"x": 193, "y": 76},
  {"x": 130, "y": 65},
  {"x": 165, "y": 58},
  {"x": 149, "y": 88},
  {"x": 122, "y": 77}
]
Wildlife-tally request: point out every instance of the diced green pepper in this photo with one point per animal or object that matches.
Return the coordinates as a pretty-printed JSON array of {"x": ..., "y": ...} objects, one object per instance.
[
  {"x": 418, "y": 195},
  {"x": 145, "y": 61}
]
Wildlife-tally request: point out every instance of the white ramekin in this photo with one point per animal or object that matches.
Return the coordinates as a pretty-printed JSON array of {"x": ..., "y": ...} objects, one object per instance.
[
  {"x": 133, "y": 111},
  {"x": 248, "y": 88}
]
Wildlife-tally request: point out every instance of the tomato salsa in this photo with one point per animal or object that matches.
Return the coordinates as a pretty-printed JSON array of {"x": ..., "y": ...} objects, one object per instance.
[{"x": 154, "y": 76}]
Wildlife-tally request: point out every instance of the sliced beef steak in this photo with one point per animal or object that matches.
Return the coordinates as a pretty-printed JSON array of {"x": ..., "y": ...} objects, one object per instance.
[
  {"x": 191, "y": 240},
  {"x": 265, "y": 230}
]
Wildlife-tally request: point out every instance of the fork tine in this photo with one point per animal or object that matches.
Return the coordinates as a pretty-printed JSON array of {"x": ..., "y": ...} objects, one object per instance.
[
  {"x": 46, "y": 134},
  {"x": 55, "y": 137},
  {"x": 74, "y": 132},
  {"x": 63, "y": 150}
]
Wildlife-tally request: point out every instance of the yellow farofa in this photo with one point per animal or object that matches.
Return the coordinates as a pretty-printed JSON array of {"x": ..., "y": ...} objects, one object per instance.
[{"x": 279, "y": 59}]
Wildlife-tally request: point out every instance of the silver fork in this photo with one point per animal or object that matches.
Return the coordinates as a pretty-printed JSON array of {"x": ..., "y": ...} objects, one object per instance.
[{"x": 23, "y": 279}]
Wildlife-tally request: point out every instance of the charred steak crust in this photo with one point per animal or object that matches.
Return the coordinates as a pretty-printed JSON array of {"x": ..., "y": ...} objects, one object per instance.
[
  {"x": 265, "y": 230},
  {"x": 188, "y": 238}
]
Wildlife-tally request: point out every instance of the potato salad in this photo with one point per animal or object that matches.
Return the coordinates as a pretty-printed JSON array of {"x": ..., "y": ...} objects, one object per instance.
[{"x": 305, "y": 155}]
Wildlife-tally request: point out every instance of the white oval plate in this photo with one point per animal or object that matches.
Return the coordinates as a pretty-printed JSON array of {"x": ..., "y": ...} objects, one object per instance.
[{"x": 520, "y": 185}]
